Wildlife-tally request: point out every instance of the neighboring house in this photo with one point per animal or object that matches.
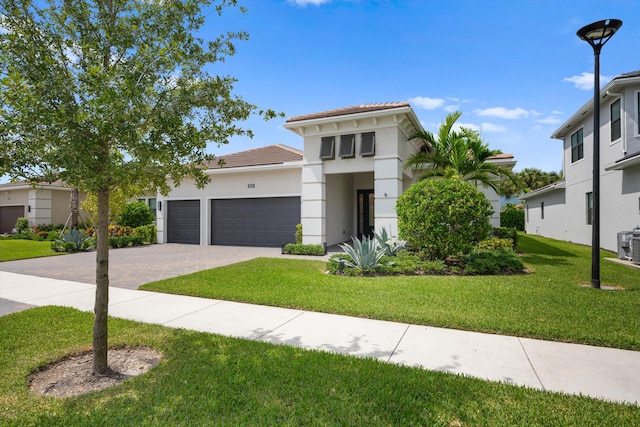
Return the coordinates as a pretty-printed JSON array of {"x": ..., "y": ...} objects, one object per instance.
[
  {"x": 344, "y": 183},
  {"x": 43, "y": 204},
  {"x": 563, "y": 210}
]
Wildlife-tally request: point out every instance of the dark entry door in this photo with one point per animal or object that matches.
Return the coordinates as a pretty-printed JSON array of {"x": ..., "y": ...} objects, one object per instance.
[{"x": 366, "y": 213}]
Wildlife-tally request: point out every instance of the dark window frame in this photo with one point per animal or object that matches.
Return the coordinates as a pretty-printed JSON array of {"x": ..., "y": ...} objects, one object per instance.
[
  {"x": 616, "y": 122},
  {"x": 367, "y": 146},
  {"x": 589, "y": 207},
  {"x": 577, "y": 145},
  {"x": 541, "y": 210},
  {"x": 347, "y": 146},
  {"x": 327, "y": 143}
]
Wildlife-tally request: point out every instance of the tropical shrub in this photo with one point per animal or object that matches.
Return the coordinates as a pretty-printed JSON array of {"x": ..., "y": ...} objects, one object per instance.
[
  {"x": 390, "y": 245},
  {"x": 494, "y": 244},
  {"x": 505, "y": 261},
  {"x": 506, "y": 233},
  {"x": 23, "y": 226},
  {"x": 298, "y": 234},
  {"x": 512, "y": 216},
  {"x": 148, "y": 233},
  {"x": 134, "y": 215},
  {"x": 365, "y": 254},
  {"x": 300, "y": 249},
  {"x": 73, "y": 241},
  {"x": 443, "y": 217}
]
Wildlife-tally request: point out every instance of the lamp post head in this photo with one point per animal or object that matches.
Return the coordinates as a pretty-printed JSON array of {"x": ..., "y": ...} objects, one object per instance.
[{"x": 598, "y": 33}]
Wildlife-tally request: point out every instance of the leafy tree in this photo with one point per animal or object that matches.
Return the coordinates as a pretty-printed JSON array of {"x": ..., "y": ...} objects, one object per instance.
[
  {"x": 443, "y": 217},
  {"x": 118, "y": 198},
  {"x": 460, "y": 154},
  {"x": 527, "y": 180},
  {"x": 109, "y": 94}
]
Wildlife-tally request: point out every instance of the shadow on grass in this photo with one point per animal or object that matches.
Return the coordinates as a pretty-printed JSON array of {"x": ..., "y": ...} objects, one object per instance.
[
  {"x": 532, "y": 245},
  {"x": 534, "y": 259}
]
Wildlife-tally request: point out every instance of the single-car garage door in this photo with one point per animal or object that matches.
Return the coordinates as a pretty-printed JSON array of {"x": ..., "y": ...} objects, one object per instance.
[
  {"x": 183, "y": 221},
  {"x": 254, "y": 222},
  {"x": 8, "y": 217}
]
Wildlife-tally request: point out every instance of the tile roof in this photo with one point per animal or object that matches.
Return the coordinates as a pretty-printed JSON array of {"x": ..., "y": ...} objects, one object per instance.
[
  {"x": 269, "y": 155},
  {"x": 363, "y": 108},
  {"x": 54, "y": 184},
  {"x": 500, "y": 156},
  {"x": 629, "y": 74}
]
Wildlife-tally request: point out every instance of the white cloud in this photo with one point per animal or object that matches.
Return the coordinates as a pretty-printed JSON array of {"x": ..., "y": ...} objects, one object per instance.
[
  {"x": 427, "y": 103},
  {"x": 556, "y": 112},
  {"x": 585, "y": 81},
  {"x": 303, "y": 3},
  {"x": 490, "y": 127},
  {"x": 471, "y": 126},
  {"x": 451, "y": 108},
  {"x": 549, "y": 120},
  {"x": 504, "y": 113}
]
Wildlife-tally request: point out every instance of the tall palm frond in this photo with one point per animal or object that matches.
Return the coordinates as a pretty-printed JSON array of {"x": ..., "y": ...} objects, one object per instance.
[{"x": 460, "y": 154}]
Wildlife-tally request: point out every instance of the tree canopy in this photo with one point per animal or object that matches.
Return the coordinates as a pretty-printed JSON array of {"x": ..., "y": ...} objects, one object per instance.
[
  {"x": 459, "y": 154},
  {"x": 527, "y": 180},
  {"x": 113, "y": 94}
]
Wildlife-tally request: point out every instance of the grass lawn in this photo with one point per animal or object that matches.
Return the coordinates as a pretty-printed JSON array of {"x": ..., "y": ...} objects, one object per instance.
[
  {"x": 206, "y": 379},
  {"x": 547, "y": 304},
  {"x": 12, "y": 249}
]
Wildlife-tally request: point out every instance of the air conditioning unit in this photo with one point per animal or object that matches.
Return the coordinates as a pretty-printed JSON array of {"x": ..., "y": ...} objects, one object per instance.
[
  {"x": 624, "y": 244},
  {"x": 635, "y": 250}
]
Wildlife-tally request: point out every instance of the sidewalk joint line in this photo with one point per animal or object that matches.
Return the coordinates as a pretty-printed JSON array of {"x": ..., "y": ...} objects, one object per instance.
[
  {"x": 531, "y": 364},
  {"x": 398, "y": 343},
  {"x": 279, "y": 326},
  {"x": 217, "y": 302}
]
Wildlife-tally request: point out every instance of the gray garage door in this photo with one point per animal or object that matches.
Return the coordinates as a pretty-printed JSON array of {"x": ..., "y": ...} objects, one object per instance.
[
  {"x": 254, "y": 222},
  {"x": 183, "y": 221},
  {"x": 8, "y": 217}
]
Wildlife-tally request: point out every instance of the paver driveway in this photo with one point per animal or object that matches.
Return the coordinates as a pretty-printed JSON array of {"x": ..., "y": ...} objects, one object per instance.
[{"x": 132, "y": 267}]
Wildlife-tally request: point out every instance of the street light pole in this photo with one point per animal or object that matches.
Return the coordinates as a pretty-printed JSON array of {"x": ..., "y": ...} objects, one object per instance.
[{"x": 597, "y": 34}]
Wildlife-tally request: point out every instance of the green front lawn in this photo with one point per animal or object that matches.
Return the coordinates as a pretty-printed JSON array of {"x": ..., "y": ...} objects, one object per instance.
[
  {"x": 206, "y": 379},
  {"x": 547, "y": 304},
  {"x": 12, "y": 249}
]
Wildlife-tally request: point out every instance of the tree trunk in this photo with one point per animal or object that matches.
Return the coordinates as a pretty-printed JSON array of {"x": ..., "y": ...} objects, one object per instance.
[
  {"x": 100, "y": 331},
  {"x": 75, "y": 211}
]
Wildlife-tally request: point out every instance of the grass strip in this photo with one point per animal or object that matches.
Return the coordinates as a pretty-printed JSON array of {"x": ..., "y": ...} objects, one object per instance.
[
  {"x": 206, "y": 379},
  {"x": 14, "y": 249},
  {"x": 548, "y": 303}
]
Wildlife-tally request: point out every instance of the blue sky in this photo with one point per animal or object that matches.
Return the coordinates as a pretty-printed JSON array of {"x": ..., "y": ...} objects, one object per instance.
[{"x": 515, "y": 68}]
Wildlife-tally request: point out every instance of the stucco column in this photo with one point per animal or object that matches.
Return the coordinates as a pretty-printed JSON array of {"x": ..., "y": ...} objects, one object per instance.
[
  {"x": 39, "y": 210},
  {"x": 313, "y": 210},
  {"x": 388, "y": 188}
]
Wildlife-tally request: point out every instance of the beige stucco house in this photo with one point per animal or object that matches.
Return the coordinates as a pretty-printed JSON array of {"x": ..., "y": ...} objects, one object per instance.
[{"x": 46, "y": 203}]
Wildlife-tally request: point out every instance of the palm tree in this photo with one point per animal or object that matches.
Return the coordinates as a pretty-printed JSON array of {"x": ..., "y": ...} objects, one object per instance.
[
  {"x": 529, "y": 179},
  {"x": 457, "y": 154}
]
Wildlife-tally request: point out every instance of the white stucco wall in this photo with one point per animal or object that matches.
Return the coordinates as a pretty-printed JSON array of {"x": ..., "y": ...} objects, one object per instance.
[{"x": 233, "y": 183}]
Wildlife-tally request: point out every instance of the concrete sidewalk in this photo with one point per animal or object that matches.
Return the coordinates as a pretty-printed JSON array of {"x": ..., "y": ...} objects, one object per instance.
[{"x": 599, "y": 372}]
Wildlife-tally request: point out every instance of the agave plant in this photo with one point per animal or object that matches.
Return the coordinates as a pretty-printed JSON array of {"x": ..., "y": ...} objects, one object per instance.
[
  {"x": 390, "y": 245},
  {"x": 365, "y": 254}
]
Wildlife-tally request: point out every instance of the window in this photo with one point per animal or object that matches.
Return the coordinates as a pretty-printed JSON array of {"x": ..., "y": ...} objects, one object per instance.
[
  {"x": 347, "y": 146},
  {"x": 589, "y": 208},
  {"x": 638, "y": 112},
  {"x": 541, "y": 210},
  {"x": 327, "y": 148},
  {"x": 151, "y": 202},
  {"x": 368, "y": 144},
  {"x": 577, "y": 147},
  {"x": 616, "y": 126}
]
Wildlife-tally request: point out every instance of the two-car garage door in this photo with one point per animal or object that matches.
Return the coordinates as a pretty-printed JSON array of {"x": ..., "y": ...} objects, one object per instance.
[
  {"x": 254, "y": 222},
  {"x": 265, "y": 222}
]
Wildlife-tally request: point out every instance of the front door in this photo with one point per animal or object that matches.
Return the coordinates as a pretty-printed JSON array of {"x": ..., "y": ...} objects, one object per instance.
[{"x": 366, "y": 213}]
